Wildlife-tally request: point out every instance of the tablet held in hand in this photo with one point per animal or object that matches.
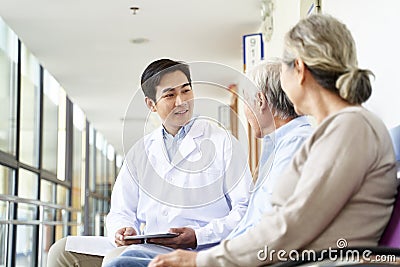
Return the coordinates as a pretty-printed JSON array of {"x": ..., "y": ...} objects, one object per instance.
[{"x": 149, "y": 236}]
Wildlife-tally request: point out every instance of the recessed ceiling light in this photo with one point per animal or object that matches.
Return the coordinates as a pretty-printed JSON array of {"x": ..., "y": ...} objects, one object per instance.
[{"x": 139, "y": 40}]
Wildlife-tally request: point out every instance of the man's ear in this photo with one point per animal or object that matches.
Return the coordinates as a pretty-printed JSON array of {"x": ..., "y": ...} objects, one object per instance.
[
  {"x": 150, "y": 104},
  {"x": 261, "y": 101},
  {"x": 300, "y": 68}
]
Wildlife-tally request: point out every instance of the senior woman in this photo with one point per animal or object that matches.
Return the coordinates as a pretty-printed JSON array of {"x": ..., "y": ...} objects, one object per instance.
[{"x": 342, "y": 182}]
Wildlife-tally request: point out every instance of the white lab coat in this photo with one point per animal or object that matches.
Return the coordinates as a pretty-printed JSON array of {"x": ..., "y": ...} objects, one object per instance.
[{"x": 206, "y": 187}]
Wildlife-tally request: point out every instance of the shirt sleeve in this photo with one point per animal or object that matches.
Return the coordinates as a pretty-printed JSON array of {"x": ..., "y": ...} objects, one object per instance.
[
  {"x": 237, "y": 196},
  {"x": 326, "y": 163},
  {"x": 124, "y": 201}
]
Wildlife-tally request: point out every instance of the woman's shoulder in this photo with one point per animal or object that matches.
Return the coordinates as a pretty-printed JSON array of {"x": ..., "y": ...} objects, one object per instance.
[
  {"x": 356, "y": 116},
  {"x": 355, "y": 120}
]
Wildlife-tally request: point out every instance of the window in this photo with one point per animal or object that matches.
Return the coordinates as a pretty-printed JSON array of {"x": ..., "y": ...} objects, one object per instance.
[
  {"x": 78, "y": 164},
  {"x": 47, "y": 194},
  {"x": 27, "y": 188},
  {"x": 42, "y": 177},
  {"x": 62, "y": 135},
  {"x": 6, "y": 188},
  {"x": 8, "y": 88},
  {"x": 50, "y": 122},
  {"x": 26, "y": 234},
  {"x": 30, "y": 89},
  {"x": 6, "y": 181},
  {"x": 62, "y": 199}
]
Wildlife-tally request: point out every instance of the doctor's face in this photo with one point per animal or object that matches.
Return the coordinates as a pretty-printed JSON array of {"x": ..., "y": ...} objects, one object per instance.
[{"x": 174, "y": 101}]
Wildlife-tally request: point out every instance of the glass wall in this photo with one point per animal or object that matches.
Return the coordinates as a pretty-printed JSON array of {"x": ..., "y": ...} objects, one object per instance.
[
  {"x": 51, "y": 100},
  {"x": 78, "y": 167},
  {"x": 7, "y": 176},
  {"x": 30, "y": 97},
  {"x": 25, "y": 242},
  {"x": 47, "y": 195},
  {"x": 8, "y": 88},
  {"x": 101, "y": 178},
  {"x": 59, "y": 181}
]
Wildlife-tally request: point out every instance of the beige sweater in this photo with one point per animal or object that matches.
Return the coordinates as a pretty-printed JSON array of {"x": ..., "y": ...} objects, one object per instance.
[{"x": 340, "y": 185}]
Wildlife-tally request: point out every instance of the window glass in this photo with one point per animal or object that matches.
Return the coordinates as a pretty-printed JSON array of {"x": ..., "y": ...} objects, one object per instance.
[
  {"x": 50, "y": 122},
  {"x": 62, "y": 195},
  {"x": 29, "y": 130},
  {"x": 6, "y": 188},
  {"x": 110, "y": 173},
  {"x": 101, "y": 152},
  {"x": 47, "y": 191},
  {"x": 92, "y": 215},
  {"x": 62, "y": 199},
  {"x": 118, "y": 163},
  {"x": 92, "y": 156},
  {"x": 6, "y": 180},
  {"x": 8, "y": 88},
  {"x": 62, "y": 136},
  {"x": 25, "y": 243},
  {"x": 25, "y": 249},
  {"x": 47, "y": 194},
  {"x": 78, "y": 163},
  {"x": 48, "y": 233},
  {"x": 27, "y": 188},
  {"x": 3, "y": 244}
]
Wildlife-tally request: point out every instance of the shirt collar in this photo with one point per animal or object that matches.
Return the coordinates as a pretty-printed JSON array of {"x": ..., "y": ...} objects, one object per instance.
[
  {"x": 300, "y": 121},
  {"x": 182, "y": 131}
]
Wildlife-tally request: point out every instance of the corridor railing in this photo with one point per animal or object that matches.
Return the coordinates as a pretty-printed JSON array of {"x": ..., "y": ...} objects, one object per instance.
[{"x": 57, "y": 211}]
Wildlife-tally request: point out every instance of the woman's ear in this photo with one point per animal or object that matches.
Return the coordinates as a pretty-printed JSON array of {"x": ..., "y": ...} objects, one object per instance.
[
  {"x": 300, "y": 68},
  {"x": 150, "y": 104}
]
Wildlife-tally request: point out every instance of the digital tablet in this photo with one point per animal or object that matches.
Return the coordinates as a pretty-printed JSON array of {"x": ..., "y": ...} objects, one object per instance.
[{"x": 159, "y": 235}]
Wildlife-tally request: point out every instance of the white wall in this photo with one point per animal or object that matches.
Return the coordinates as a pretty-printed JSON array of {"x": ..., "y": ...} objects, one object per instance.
[
  {"x": 375, "y": 25},
  {"x": 286, "y": 14}
]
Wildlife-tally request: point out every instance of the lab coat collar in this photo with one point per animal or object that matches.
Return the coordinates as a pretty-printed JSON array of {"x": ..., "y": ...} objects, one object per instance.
[{"x": 187, "y": 146}]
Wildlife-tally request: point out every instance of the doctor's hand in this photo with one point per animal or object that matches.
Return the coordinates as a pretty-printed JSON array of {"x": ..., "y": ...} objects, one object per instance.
[
  {"x": 185, "y": 239},
  {"x": 126, "y": 231},
  {"x": 181, "y": 258}
]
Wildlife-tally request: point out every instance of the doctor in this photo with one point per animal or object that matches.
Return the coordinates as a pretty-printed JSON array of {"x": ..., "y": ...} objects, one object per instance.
[{"x": 188, "y": 177}]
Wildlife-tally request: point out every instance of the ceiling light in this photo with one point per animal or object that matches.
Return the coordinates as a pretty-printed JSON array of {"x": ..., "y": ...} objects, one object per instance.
[
  {"x": 139, "y": 40},
  {"x": 134, "y": 9}
]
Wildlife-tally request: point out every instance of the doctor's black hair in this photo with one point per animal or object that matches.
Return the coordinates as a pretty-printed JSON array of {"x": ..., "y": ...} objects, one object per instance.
[{"x": 156, "y": 70}]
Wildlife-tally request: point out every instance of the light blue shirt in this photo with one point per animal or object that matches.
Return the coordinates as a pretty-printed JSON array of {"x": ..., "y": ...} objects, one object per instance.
[
  {"x": 279, "y": 148},
  {"x": 172, "y": 143}
]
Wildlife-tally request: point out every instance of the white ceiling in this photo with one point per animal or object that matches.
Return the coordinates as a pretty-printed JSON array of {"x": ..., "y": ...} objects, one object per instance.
[{"x": 87, "y": 45}]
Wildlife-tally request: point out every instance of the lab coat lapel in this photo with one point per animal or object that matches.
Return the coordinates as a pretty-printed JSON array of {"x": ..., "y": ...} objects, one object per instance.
[
  {"x": 157, "y": 155},
  {"x": 188, "y": 145}
]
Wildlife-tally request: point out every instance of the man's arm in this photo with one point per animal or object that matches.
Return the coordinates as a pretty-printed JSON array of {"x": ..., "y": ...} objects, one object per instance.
[{"x": 124, "y": 201}]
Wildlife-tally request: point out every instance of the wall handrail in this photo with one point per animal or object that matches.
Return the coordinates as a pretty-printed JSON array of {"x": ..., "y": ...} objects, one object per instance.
[
  {"x": 16, "y": 199},
  {"x": 38, "y": 222}
]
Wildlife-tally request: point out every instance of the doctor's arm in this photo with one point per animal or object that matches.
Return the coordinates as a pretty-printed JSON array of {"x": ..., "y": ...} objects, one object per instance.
[
  {"x": 218, "y": 228},
  {"x": 121, "y": 220}
]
